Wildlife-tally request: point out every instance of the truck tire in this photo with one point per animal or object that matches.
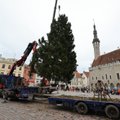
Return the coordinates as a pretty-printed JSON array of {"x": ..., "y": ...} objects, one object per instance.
[
  {"x": 9, "y": 99},
  {"x": 82, "y": 108},
  {"x": 4, "y": 95},
  {"x": 33, "y": 98},
  {"x": 112, "y": 112}
]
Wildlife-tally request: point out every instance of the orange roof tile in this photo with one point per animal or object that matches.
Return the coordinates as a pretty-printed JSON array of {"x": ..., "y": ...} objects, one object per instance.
[
  {"x": 107, "y": 58},
  {"x": 77, "y": 74},
  {"x": 87, "y": 74}
]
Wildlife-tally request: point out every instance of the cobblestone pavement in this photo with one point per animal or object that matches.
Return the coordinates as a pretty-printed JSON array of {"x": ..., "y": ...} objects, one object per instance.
[{"x": 39, "y": 110}]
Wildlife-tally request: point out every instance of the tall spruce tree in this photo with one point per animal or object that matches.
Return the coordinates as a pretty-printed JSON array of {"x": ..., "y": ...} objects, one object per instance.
[{"x": 55, "y": 59}]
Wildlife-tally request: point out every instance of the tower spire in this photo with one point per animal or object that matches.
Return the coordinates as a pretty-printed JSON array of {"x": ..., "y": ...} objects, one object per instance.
[
  {"x": 95, "y": 34},
  {"x": 95, "y": 31},
  {"x": 96, "y": 43}
]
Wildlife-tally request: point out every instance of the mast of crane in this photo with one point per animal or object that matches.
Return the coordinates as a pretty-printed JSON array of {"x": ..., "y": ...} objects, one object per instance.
[{"x": 54, "y": 10}]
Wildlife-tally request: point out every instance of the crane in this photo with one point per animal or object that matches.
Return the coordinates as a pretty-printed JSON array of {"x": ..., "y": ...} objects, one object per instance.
[
  {"x": 22, "y": 60},
  {"x": 54, "y": 10}
]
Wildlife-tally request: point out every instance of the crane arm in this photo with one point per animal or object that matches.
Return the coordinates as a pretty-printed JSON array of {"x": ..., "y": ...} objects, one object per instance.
[{"x": 30, "y": 47}]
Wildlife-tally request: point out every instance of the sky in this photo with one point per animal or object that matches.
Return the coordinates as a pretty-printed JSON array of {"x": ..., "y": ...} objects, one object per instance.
[{"x": 23, "y": 21}]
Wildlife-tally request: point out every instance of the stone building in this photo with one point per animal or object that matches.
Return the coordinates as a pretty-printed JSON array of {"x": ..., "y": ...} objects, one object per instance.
[
  {"x": 104, "y": 67},
  {"x": 80, "y": 80},
  {"x": 6, "y": 64},
  {"x": 22, "y": 71},
  {"x": 76, "y": 81},
  {"x": 85, "y": 79}
]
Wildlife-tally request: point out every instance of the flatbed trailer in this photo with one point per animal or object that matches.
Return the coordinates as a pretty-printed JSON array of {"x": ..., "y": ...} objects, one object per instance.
[{"x": 82, "y": 106}]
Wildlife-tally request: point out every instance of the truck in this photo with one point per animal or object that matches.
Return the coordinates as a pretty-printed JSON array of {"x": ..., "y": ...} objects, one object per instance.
[
  {"x": 82, "y": 106},
  {"x": 99, "y": 103},
  {"x": 12, "y": 86}
]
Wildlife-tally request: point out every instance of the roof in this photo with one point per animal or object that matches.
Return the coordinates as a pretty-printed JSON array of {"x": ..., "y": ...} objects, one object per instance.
[
  {"x": 77, "y": 74},
  {"x": 87, "y": 74},
  {"x": 107, "y": 58}
]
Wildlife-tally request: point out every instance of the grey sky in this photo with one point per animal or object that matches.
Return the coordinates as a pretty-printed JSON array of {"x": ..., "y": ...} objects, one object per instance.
[{"x": 23, "y": 21}]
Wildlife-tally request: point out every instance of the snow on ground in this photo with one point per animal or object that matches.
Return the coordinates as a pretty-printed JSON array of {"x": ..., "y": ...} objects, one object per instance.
[{"x": 81, "y": 94}]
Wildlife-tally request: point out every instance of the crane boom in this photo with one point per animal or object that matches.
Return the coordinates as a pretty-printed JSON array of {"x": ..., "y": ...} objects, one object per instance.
[
  {"x": 30, "y": 47},
  {"x": 54, "y": 10}
]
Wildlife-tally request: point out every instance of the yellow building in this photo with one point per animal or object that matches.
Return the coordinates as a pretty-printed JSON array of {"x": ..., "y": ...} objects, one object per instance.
[{"x": 6, "y": 64}]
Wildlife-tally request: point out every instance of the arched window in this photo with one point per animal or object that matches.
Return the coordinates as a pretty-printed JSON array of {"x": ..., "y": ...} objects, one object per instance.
[{"x": 3, "y": 66}]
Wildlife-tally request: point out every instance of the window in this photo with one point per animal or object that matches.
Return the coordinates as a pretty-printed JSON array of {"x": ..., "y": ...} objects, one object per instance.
[
  {"x": 106, "y": 76},
  {"x": 92, "y": 78},
  {"x": 9, "y": 66},
  {"x": 103, "y": 77},
  {"x": 3, "y": 66},
  {"x": 2, "y": 73},
  {"x": 19, "y": 75},
  {"x": 96, "y": 78},
  {"x": 118, "y": 76},
  {"x": 110, "y": 77},
  {"x": 20, "y": 68}
]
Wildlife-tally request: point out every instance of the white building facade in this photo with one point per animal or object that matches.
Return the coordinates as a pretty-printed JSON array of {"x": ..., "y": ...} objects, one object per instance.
[
  {"x": 105, "y": 67},
  {"x": 80, "y": 80},
  {"x": 85, "y": 79}
]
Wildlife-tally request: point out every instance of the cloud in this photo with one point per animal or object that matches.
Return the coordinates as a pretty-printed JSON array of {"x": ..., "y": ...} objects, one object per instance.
[{"x": 27, "y": 20}]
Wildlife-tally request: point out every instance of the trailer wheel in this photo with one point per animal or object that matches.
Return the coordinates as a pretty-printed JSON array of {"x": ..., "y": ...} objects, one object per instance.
[
  {"x": 33, "y": 98},
  {"x": 4, "y": 96},
  {"x": 112, "y": 111},
  {"x": 82, "y": 108}
]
